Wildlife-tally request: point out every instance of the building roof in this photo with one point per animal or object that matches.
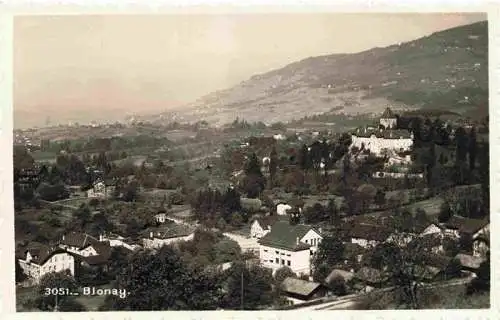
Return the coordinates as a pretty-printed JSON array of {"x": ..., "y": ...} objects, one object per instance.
[
  {"x": 369, "y": 232},
  {"x": 40, "y": 252},
  {"x": 436, "y": 260},
  {"x": 465, "y": 225},
  {"x": 79, "y": 240},
  {"x": 171, "y": 230},
  {"x": 382, "y": 134},
  {"x": 283, "y": 235},
  {"x": 469, "y": 261},
  {"x": 388, "y": 114},
  {"x": 299, "y": 286},
  {"x": 267, "y": 221},
  {"x": 370, "y": 275}
]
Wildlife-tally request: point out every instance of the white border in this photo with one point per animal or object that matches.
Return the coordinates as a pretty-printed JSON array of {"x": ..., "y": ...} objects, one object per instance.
[{"x": 15, "y": 7}]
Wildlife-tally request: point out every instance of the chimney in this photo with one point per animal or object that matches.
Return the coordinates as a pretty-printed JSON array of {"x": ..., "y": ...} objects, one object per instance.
[
  {"x": 298, "y": 240},
  {"x": 320, "y": 230},
  {"x": 63, "y": 237},
  {"x": 101, "y": 238},
  {"x": 151, "y": 234}
]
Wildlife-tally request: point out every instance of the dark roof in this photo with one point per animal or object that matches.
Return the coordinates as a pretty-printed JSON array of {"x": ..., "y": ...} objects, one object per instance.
[
  {"x": 41, "y": 252},
  {"x": 79, "y": 240},
  {"x": 435, "y": 260},
  {"x": 388, "y": 114},
  {"x": 370, "y": 275},
  {"x": 465, "y": 225},
  {"x": 267, "y": 221},
  {"x": 369, "y": 232},
  {"x": 299, "y": 286},
  {"x": 284, "y": 236}
]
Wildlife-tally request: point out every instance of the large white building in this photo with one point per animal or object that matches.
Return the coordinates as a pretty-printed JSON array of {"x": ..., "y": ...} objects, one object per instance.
[
  {"x": 385, "y": 140},
  {"x": 40, "y": 260},
  {"x": 162, "y": 236},
  {"x": 290, "y": 246}
]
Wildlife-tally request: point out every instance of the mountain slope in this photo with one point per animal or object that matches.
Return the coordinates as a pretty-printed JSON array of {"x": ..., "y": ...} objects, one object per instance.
[{"x": 446, "y": 70}]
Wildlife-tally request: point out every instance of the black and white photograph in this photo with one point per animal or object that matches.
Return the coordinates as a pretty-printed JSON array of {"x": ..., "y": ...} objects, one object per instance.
[{"x": 264, "y": 161}]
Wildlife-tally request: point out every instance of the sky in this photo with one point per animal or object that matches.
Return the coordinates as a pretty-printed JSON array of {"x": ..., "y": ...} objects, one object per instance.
[{"x": 143, "y": 63}]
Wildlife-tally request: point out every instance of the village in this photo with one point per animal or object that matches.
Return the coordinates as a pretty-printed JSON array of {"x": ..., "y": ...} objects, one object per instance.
[{"x": 320, "y": 215}]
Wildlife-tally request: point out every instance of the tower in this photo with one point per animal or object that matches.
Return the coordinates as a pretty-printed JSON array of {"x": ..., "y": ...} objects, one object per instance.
[{"x": 388, "y": 120}]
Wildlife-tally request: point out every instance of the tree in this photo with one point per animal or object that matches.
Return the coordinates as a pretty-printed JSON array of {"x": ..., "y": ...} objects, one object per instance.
[
  {"x": 226, "y": 250},
  {"x": 130, "y": 192},
  {"x": 163, "y": 281},
  {"x": 254, "y": 179},
  {"x": 282, "y": 273},
  {"x": 379, "y": 199},
  {"x": 20, "y": 275},
  {"x": 330, "y": 251},
  {"x": 273, "y": 165},
  {"x": 472, "y": 150},
  {"x": 257, "y": 287},
  {"x": 304, "y": 158},
  {"x": 47, "y": 299},
  {"x": 482, "y": 281},
  {"x": 333, "y": 213},
  {"x": 465, "y": 242},
  {"x": 445, "y": 212}
]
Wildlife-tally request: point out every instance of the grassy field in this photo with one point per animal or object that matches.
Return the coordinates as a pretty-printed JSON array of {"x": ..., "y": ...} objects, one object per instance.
[{"x": 75, "y": 202}]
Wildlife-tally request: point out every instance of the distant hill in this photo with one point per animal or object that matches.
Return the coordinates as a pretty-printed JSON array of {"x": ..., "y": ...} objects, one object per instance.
[{"x": 447, "y": 70}]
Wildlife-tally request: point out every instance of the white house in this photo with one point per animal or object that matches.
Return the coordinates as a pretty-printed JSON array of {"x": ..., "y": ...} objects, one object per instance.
[
  {"x": 431, "y": 229},
  {"x": 282, "y": 208},
  {"x": 458, "y": 225},
  {"x": 161, "y": 217},
  {"x": 81, "y": 244},
  {"x": 118, "y": 241},
  {"x": 41, "y": 260},
  {"x": 164, "y": 236},
  {"x": 100, "y": 190},
  {"x": 289, "y": 245},
  {"x": 368, "y": 235},
  {"x": 261, "y": 226}
]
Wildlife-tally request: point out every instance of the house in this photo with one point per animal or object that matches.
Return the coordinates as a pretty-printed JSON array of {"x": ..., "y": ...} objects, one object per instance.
[
  {"x": 353, "y": 254},
  {"x": 99, "y": 261},
  {"x": 41, "y": 259},
  {"x": 481, "y": 245},
  {"x": 282, "y": 208},
  {"x": 366, "y": 279},
  {"x": 261, "y": 226},
  {"x": 434, "y": 267},
  {"x": 100, "y": 190},
  {"x": 368, "y": 235},
  {"x": 432, "y": 228},
  {"x": 458, "y": 225},
  {"x": 81, "y": 244},
  {"x": 469, "y": 263},
  {"x": 289, "y": 245},
  {"x": 158, "y": 237},
  {"x": 118, "y": 241},
  {"x": 431, "y": 243},
  {"x": 300, "y": 291},
  {"x": 161, "y": 217}
]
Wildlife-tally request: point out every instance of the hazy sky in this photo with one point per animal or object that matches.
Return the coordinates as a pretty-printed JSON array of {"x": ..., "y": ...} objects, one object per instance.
[{"x": 151, "y": 62}]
